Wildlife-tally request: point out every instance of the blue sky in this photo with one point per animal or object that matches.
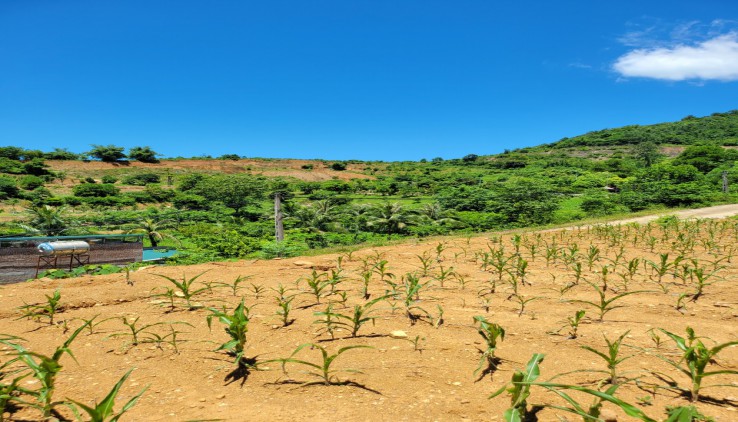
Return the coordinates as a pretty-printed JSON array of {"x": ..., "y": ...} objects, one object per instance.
[{"x": 345, "y": 79}]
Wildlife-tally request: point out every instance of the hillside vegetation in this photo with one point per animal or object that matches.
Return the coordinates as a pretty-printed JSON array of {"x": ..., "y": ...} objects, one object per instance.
[{"x": 218, "y": 208}]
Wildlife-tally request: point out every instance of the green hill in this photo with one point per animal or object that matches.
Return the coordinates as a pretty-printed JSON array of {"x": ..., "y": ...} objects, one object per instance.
[{"x": 719, "y": 128}]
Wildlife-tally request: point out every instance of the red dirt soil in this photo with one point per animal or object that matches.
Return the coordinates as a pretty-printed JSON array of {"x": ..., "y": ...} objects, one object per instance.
[{"x": 397, "y": 382}]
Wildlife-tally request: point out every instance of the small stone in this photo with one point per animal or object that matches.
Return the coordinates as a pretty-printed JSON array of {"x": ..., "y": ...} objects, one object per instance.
[
  {"x": 608, "y": 415},
  {"x": 304, "y": 263},
  {"x": 456, "y": 383},
  {"x": 465, "y": 401},
  {"x": 398, "y": 334},
  {"x": 220, "y": 396}
]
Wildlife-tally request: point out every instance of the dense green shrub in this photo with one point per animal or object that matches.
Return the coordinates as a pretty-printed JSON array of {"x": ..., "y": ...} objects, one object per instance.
[
  {"x": 338, "y": 166},
  {"x": 143, "y": 154},
  {"x": 108, "y": 154},
  {"x": 8, "y": 188},
  {"x": 141, "y": 179},
  {"x": 187, "y": 201},
  {"x": 8, "y": 165},
  {"x": 95, "y": 190},
  {"x": 30, "y": 182},
  {"x": 109, "y": 179}
]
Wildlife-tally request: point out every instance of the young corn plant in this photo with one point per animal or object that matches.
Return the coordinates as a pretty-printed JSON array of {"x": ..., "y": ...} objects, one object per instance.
[
  {"x": 236, "y": 326},
  {"x": 45, "y": 369},
  {"x": 426, "y": 263},
  {"x": 382, "y": 270},
  {"x": 605, "y": 304},
  {"x": 257, "y": 290},
  {"x": 366, "y": 278},
  {"x": 523, "y": 301},
  {"x": 44, "y": 310},
  {"x": 694, "y": 362},
  {"x": 519, "y": 390},
  {"x": 573, "y": 323},
  {"x": 702, "y": 278},
  {"x": 185, "y": 290},
  {"x": 141, "y": 333},
  {"x": 329, "y": 320},
  {"x": 491, "y": 333},
  {"x": 410, "y": 295},
  {"x": 236, "y": 286},
  {"x": 318, "y": 284},
  {"x": 10, "y": 382},
  {"x": 592, "y": 412},
  {"x": 322, "y": 370},
  {"x": 285, "y": 307},
  {"x": 359, "y": 317},
  {"x": 612, "y": 357},
  {"x": 445, "y": 274},
  {"x": 103, "y": 411}
]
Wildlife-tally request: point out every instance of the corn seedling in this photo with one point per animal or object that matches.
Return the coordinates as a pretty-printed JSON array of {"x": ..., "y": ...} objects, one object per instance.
[
  {"x": 426, "y": 264},
  {"x": 655, "y": 338},
  {"x": 366, "y": 278},
  {"x": 611, "y": 356},
  {"x": 591, "y": 413},
  {"x": 323, "y": 369},
  {"x": 38, "y": 311},
  {"x": 170, "y": 339},
  {"x": 593, "y": 255},
  {"x": 381, "y": 269},
  {"x": 702, "y": 279},
  {"x": 285, "y": 306},
  {"x": 353, "y": 322},
  {"x": 92, "y": 323},
  {"x": 686, "y": 414},
  {"x": 141, "y": 333},
  {"x": 317, "y": 284},
  {"x": 519, "y": 390},
  {"x": 444, "y": 274},
  {"x": 573, "y": 324},
  {"x": 523, "y": 301},
  {"x": 491, "y": 333},
  {"x": 184, "y": 288},
  {"x": 328, "y": 320},
  {"x": 605, "y": 305},
  {"x": 45, "y": 369},
  {"x": 438, "y": 321},
  {"x": 335, "y": 279},
  {"x": 235, "y": 286},
  {"x": 410, "y": 295},
  {"x": 10, "y": 387},
  {"x": 103, "y": 411},
  {"x": 694, "y": 361},
  {"x": 416, "y": 343},
  {"x": 237, "y": 325},
  {"x": 257, "y": 290}
]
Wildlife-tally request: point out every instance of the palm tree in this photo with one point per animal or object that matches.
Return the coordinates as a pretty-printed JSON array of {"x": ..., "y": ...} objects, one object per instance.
[
  {"x": 390, "y": 218},
  {"x": 437, "y": 216},
  {"x": 319, "y": 216},
  {"x": 45, "y": 219},
  {"x": 152, "y": 229}
]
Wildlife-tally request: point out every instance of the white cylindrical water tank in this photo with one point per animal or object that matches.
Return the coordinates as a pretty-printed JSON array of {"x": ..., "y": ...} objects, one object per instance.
[{"x": 69, "y": 247}]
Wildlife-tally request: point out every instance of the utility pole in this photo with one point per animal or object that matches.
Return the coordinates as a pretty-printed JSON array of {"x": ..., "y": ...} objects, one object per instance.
[
  {"x": 278, "y": 226},
  {"x": 725, "y": 182}
]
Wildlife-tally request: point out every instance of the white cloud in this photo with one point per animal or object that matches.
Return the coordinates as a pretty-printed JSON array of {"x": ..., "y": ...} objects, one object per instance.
[{"x": 713, "y": 59}]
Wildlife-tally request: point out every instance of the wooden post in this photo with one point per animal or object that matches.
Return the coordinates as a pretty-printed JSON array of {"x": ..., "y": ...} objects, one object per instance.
[
  {"x": 725, "y": 182},
  {"x": 278, "y": 227}
]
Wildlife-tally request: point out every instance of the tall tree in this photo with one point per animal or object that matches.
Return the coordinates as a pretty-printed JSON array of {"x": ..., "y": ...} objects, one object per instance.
[
  {"x": 108, "y": 154},
  {"x": 143, "y": 154}
]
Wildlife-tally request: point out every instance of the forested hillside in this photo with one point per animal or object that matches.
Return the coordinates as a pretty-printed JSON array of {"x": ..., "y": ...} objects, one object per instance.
[{"x": 214, "y": 208}]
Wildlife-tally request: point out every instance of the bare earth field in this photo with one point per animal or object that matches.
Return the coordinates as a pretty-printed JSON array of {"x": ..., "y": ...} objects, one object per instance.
[
  {"x": 270, "y": 168},
  {"x": 431, "y": 378}
]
